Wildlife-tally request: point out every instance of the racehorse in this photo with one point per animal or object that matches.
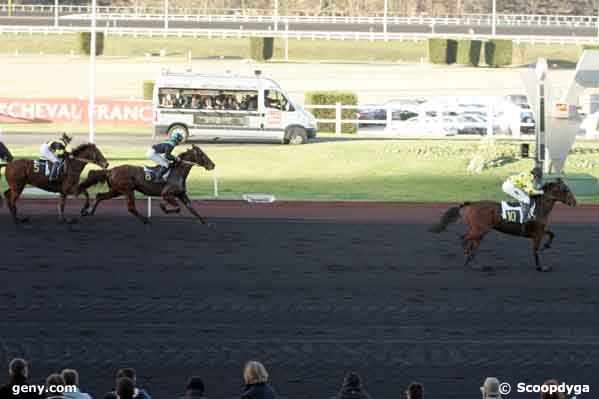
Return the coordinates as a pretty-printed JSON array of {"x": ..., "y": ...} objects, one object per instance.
[
  {"x": 126, "y": 179},
  {"x": 22, "y": 172},
  {"x": 483, "y": 216},
  {"x": 5, "y": 156}
]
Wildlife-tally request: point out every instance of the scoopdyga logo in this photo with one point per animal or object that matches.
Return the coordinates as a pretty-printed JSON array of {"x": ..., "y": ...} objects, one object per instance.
[{"x": 492, "y": 388}]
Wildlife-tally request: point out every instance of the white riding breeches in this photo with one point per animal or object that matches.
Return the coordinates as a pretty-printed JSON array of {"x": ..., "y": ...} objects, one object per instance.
[
  {"x": 515, "y": 192},
  {"x": 47, "y": 154},
  {"x": 156, "y": 157}
]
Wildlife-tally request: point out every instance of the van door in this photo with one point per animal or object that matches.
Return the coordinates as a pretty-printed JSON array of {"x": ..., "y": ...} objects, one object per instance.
[{"x": 274, "y": 116}]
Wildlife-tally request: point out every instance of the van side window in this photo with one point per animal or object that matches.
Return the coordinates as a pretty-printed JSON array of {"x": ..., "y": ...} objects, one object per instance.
[{"x": 275, "y": 99}]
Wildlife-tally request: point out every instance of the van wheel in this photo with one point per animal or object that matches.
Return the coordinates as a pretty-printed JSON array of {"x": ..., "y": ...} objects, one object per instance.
[
  {"x": 180, "y": 129},
  {"x": 296, "y": 135}
]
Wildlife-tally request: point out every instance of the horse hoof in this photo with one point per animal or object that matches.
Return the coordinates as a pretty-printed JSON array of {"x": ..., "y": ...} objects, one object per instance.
[
  {"x": 147, "y": 221},
  {"x": 23, "y": 219},
  {"x": 85, "y": 213},
  {"x": 544, "y": 269}
]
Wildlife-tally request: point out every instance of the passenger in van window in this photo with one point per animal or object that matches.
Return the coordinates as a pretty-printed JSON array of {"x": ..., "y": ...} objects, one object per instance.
[
  {"x": 179, "y": 101},
  {"x": 167, "y": 101},
  {"x": 207, "y": 103}
]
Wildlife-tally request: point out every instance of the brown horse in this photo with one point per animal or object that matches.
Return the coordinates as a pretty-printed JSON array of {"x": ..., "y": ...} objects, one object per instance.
[
  {"x": 22, "y": 172},
  {"x": 5, "y": 156},
  {"x": 483, "y": 216},
  {"x": 126, "y": 179}
]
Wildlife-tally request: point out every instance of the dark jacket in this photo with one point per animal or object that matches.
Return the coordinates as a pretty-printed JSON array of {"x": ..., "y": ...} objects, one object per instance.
[
  {"x": 139, "y": 394},
  {"x": 165, "y": 148},
  {"x": 7, "y": 393},
  {"x": 258, "y": 391}
]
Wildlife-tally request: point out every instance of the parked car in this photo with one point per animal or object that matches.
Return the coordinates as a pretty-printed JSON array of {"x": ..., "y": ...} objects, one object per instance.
[
  {"x": 371, "y": 113},
  {"x": 425, "y": 125},
  {"x": 527, "y": 122}
]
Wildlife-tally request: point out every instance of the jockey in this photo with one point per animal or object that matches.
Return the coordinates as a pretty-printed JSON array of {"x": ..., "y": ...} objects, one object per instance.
[
  {"x": 522, "y": 187},
  {"x": 55, "y": 152},
  {"x": 165, "y": 148}
]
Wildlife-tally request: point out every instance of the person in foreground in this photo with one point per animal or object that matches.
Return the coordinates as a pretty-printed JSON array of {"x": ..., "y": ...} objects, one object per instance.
[
  {"x": 255, "y": 377},
  {"x": 352, "y": 388}
]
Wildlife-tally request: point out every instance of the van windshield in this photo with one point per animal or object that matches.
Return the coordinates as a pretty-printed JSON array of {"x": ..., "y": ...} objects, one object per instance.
[{"x": 203, "y": 99}]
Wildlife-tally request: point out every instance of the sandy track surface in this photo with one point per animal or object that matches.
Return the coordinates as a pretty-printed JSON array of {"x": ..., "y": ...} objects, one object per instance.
[{"x": 310, "y": 298}]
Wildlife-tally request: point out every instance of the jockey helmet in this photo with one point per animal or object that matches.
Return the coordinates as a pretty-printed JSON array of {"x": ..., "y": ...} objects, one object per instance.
[
  {"x": 177, "y": 137},
  {"x": 66, "y": 139}
]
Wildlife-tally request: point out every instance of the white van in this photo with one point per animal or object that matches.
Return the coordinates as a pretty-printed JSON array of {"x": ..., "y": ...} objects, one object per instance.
[{"x": 229, "y": 108}]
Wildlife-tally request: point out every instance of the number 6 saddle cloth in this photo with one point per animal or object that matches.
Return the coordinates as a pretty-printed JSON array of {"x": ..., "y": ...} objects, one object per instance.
[{"x": 511, "y": 212}]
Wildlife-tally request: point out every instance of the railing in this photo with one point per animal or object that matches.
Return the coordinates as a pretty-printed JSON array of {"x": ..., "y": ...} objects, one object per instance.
[
  {"x": 393, "y": 127},
  {"x": 301, "y": 16},
  {"x": 291, "y": 34}
]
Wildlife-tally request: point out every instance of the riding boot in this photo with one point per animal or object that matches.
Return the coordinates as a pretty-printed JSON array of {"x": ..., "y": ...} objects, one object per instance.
[{"x": 161, "y": 172}]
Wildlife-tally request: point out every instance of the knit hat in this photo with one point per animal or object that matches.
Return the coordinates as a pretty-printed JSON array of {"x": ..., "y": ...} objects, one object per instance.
[{"x": 490, "y": 388}]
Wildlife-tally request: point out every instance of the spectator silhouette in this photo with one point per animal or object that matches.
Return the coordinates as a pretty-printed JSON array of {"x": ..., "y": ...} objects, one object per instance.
[
  {"x": 128, "y": 373},
  {"x": 125, "y": 388},
  {"x": 256, "y": 382},
  {"x": 71, "y": 378},
  {"x": 556, "y": 395},
  {"x": 352, "y": 388},
  {"x": 195, "y": 389},
  {"x": 415, "y": 391},
  {"x": 55, "y": 387},
  {"x": 18, "y": 374},
  {"x": 490, "y": 388}
]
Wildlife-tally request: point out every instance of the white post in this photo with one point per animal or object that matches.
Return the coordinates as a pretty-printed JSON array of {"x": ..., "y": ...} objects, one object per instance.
[
  {"x": 165, "y": 14},
  {"x": 494, "y": 18},
  {"x": 490, "y": 120},
  {"x": 149, "y": 207},
  {"x": 215, "y": 184},
  {"x": 389, "y": 117},
  {"x": 91, "y": 114},
  {"x": 385, "y": 19},
  {"x": 276, "y": 15},
  {"x": 338, "y": 118},
  {"x": 286, "y": 40},
  {"x": 56, "y": 13}
]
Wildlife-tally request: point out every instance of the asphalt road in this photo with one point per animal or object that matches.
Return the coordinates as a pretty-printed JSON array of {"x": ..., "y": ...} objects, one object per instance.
[
  {"x": 311, "y": 300},
  {"x": 39, "y": 19}
]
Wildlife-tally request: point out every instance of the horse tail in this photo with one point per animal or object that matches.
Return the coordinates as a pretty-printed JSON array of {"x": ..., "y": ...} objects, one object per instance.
[
  {"x": 450, "y": 216},
  {"x": 94, "y": 177}
]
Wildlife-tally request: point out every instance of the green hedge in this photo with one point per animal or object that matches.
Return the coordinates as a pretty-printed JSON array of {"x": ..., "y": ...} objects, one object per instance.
[
  {"x": 469, "y": 52},
  {"x": 148, "y": 89},
  {"x": 85, "y": 42},
  {"x": 330, "y": 98},
  {"x": 442, "y": 51},
  {"x": 262, "y": 48},
  {"x": 498, "y": 52}
]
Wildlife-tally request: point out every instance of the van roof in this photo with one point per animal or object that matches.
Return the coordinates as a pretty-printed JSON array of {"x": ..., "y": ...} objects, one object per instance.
[{"x": 214, "y": 81}]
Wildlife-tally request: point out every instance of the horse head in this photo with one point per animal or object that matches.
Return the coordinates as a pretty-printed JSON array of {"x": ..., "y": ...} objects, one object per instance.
[
  {"x": 198, "y": 157},
  {"x": 89, "y": 152},
  {"x": 5, "y": 153},
  {"x": 559, "y": 190}
]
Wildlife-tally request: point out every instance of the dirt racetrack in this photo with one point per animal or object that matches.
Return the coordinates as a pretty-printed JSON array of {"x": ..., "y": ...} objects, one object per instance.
[{"x": 312, "y": 291}]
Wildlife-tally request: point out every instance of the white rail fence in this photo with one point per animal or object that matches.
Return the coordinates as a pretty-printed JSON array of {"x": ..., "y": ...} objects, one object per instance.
[
  {"x": 298, "y": 17},
  {"x": 434, "y": 125},
  {"x": 291, "y": 34}
]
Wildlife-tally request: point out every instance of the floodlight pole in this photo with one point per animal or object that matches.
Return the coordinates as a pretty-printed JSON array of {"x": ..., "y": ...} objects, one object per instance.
[
  {"x": 91, "y": 114},
  {"x": 541, "y": 71},
  {"x": 494, "y": 18}
]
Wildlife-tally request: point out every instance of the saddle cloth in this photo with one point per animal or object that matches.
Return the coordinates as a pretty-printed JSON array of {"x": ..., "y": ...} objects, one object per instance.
[
  {"x": 512, "y": 212},
  {"x": 151, "y": 171},
  {"x": 42, "y": 166}
]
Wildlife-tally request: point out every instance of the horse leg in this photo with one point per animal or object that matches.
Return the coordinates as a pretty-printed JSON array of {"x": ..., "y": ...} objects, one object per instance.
[
  {"x": 86, "y": 205},
  {"x": 168, "y": 196},
  {"x": 168, "y": 199},
  {"x": 536, "y": 243},
  {"x": 132, "y": 209},
  {"x": 61, "y": 203},
  {"x": 187, "y": 202},
  {"x": 12, "y": 195},
  {"x": 102, "y": 197},
  {"x": 551, "y": 235}
]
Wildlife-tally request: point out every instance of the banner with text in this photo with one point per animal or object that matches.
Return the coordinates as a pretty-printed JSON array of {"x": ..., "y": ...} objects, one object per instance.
[{"x": 62, "y": 110}]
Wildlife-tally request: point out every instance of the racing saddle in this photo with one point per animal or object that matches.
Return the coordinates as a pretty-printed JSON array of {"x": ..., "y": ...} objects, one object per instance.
[
  {"x": 511, "y": 212},
  {"x": 44, "y": 166},
  {"x": 151, "y": 174}
]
